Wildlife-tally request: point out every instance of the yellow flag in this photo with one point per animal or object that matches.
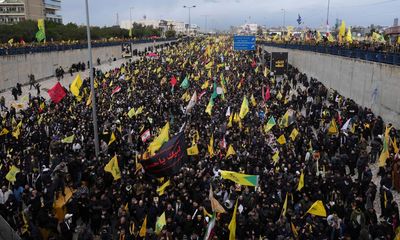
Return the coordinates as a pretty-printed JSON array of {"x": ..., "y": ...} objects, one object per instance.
[
  {"x": 301, "y": 181},
  {"x": 230, "y": 121},
  {"x": 317, "y": 209},
  {"x": 76, "y": 86},
  {"x": 4, "y": 132},
  {"x": 113, "y": 168},
  {"x": 232, "y": 224},
  {"x": 294, "y": 230},
  {"x": 275, "y": 157},
  {"x": 240, "y": 178},
  {"x": 112, "y": 139},
  {"x": 160, "y": 139},
  {"x": 193, "y": 150},
  {"x": 281, "y": 140},
  {"x": 69, "y": 139},
  {"x": 294, "y": 134},
  {"x": 161, "y": 222},
  {"x": 244, "y": 109},
  {"x": 131, "y": 112},
  {"x": 143, "y": 229},
  {"x": 349, "y": 38},
  {"x": 161, "y": 190},
  {"x": 394, "y": 143},
  {"x": 284, "y": 208},
  {"x": 211, "y": 146},
  {"x": 342, "y": 31},
  {"x": 253, "y": 100},
  {"x": 330, "y": 38},
  {"x": 42, "y": 106},
  {"x": 230, "y": 151},
  {"x": 333, "y": 129},
  {"x": 205, "y": 85},
  {"x": 209, "y": 108},
  {"x": 12, "y": 174}
]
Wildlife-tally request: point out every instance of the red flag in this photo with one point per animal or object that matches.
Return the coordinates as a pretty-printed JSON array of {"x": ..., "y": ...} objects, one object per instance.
[
  {"x": 267, "y": 94},
  {"x": 56, "y": 93},
  {"x": 173, "y": 81},
  {"x": 116, "y": 89},
  {"x": 253, "y": 64},
  {"x": 146, "y": 135}
]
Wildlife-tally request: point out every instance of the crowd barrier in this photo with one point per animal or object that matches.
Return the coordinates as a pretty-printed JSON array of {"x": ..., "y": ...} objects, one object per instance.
[
  {"x": 380, "y": 57},
  {"x": 53, "y": 48}
]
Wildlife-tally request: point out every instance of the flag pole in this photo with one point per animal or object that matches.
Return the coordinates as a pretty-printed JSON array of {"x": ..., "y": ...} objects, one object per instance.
[{"x": 94, "y": 113}]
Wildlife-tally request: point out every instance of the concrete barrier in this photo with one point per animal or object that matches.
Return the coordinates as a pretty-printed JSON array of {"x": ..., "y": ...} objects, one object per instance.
[
  {"x": 370, "y": 84},
  {"x": 16, "y": 68}
]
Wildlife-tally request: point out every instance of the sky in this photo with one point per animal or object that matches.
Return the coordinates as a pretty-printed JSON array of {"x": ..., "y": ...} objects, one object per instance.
[{"x": 221, "y": 14}]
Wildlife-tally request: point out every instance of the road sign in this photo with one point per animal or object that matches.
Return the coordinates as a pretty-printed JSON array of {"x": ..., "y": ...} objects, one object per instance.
[{"x": 246, "y": 43}]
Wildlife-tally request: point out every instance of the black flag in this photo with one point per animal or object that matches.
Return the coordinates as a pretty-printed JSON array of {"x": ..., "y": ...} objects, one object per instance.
[{"x": 169, "y": 159}]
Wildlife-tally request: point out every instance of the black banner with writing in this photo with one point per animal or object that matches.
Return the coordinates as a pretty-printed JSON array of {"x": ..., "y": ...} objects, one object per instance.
[
  {"x": 169, "y": 159},
  {"x": 279, "y": 62}
]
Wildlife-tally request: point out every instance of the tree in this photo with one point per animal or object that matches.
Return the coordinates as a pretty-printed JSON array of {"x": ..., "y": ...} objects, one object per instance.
[{"x": 170, "y": 34}]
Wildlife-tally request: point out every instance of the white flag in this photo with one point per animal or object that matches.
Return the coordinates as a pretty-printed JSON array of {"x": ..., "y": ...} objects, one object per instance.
[
  {"x": 228, "y": 112},
  {"x": 346, "y": 125},
  {"x": 192, "y": 102}
]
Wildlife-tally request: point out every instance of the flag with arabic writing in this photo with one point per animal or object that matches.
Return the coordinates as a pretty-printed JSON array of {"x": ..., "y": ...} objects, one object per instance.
[{"x": 169, "y": 159}]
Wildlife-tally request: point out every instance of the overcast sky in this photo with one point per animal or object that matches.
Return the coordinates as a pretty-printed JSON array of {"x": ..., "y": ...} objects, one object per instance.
[{"x": 225, "y": 13}]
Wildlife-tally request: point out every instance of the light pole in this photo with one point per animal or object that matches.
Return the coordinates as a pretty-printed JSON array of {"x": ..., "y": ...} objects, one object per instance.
[
  {"x": 130, "y": 20},
  {"x": 205, "y": 22},
  {"x": 189, "y": 7},
  {"x": 94, "y": 113},
  {"x": 284, "y": 20},
  {"x": 327, "y": 17}
]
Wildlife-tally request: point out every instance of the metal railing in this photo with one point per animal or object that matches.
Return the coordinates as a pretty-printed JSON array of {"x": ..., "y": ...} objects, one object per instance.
[
  {"x": 380, "y": 57},
  {"x": 66, "y": 47}
]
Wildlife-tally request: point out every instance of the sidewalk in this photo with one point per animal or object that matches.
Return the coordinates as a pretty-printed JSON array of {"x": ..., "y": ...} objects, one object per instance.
[{"x": 49, "y": 83}]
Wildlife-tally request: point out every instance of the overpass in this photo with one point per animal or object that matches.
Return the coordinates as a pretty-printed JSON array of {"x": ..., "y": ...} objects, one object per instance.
[{"x": 371, "y": 84}]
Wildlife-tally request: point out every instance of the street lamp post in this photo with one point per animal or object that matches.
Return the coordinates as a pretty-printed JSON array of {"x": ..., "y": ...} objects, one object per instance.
[
  {"x": 284, "y": 21},
  {"x": 189, "y": 7},
  {"x": 327, "y": 17},
  {"x": 94, "y": 113},
  {"x": 130, "y": 20}
]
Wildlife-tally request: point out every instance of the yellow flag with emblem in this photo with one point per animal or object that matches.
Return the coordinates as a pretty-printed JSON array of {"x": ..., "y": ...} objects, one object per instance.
[
  {"x": 113, "y": 168},
  {"x": 76, "y": 86},
  {"x": 281, "y": 140},
  {"x": 193, "y": 150},
  {"x": 317, "y": 209},
  {"x": 4, "y": 132},
  {"x": 230, "y": 152},
  {"x": 160, "y": 139},
  {"x": 301, "y": 181},
  {"x": 160, "y": 190},
  {"x": 232, "y": 224},
  {"x": 11, "y": 175},
  {"x": 294, "y": 134}
]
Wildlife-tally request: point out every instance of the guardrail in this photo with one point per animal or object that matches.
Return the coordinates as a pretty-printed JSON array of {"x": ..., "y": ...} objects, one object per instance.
[
  {"x": 380, "y": 57},
  {"x": 53, "y": 48}
]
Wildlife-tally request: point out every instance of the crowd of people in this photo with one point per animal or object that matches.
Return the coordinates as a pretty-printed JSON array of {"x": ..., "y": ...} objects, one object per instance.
[{"x": 62, "y": 189}]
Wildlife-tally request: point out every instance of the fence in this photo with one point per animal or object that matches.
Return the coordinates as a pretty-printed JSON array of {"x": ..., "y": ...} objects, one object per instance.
[
  {"x": 53, "y": 48},
  {"x": 381, "y": 57}
]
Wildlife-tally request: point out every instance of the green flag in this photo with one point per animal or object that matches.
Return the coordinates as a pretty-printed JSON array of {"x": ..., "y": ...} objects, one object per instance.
[
  {"x": 185, "y": 83},
  {"x": 41, "y": 34}
]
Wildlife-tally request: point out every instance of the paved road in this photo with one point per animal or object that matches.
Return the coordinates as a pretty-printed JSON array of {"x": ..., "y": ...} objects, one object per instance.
[{"x": 47, "y": 84}]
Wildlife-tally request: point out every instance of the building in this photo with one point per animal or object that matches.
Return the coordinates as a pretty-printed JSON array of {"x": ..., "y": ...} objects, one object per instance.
[
  {"x": 394, "y": 31},
  {"x": 248, "y": 28},
  {"x": 13, "y": 11},
  {"x": 164, "y": 25}
]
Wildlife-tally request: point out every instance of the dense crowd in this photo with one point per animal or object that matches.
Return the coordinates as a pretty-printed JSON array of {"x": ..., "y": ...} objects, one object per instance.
[{"x": 62, "y": 189}]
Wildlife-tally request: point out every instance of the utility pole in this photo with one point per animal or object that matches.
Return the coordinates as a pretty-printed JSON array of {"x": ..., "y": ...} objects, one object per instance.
[
  {"x": 205, "y": 22},
  {"x": 94, "y": 112},
  {"x": 284, "y": 20},
  {"x": 327, "y": 17},
  {"x": 189, "y": 7},
  {"x": 130, "y": 20}
]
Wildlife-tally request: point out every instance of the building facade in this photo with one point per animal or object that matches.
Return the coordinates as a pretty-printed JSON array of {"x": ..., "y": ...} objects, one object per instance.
[{"x": 13, "y": 11}]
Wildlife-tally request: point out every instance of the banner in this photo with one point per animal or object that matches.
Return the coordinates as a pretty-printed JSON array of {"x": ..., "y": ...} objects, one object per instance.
[
  {"x": 56, "y": 93},
  {"x": 169, "y": 159},
  {"x": 279, "y": 62}
]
